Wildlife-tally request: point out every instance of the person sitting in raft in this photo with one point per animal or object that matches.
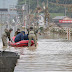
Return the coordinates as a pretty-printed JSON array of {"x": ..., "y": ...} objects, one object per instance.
[
  {"x": 26, "y": 37},
  {"x": 17, "y": 32},
  {"x": 20, "y": 37}
]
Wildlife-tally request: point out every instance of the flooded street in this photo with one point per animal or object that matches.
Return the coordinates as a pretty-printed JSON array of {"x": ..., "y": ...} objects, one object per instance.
[
  {"x": 53, "y": 55},
  {"x": 49, "y": 21},
  {"x": 50, "y": 55}
]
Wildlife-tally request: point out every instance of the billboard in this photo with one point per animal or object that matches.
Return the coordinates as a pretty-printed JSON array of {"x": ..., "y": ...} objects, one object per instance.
[{"x": 65, "y": 21}]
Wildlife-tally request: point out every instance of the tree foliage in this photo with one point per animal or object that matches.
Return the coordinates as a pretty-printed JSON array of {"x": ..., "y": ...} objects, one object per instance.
[{"x": 52, "y": 8}]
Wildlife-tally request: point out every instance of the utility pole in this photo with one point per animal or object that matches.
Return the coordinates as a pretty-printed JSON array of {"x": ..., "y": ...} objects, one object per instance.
[
  {"x": 29, "y": 6},
  {"x": 1, "y": 23},
  {"x": 29, "y": 13},
  {"x": 23, "y": 10},
  {"x": 37, "y": 13},
  {"x": 65, "y": 11},
  {"x": 46, "y": 14},
  {"x": 37, "y": 3},
  {"x": 65, "y": 7},
  {"x": 25, "y": 1},
  {"x": 3, "y": 13},
  {"x": 47, "y": 3}
]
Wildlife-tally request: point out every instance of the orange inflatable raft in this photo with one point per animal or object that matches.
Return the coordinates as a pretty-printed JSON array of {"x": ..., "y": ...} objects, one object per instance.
[{"x": 22, "y": 43}]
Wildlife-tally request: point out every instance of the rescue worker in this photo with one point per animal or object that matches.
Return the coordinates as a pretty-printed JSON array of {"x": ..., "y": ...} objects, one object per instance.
[
  {"x": 32, "y": 36},
  {"x": 8, "y": 34},
  {"x": 20, "y": 36},
  {"x": 5, "y": 35},
  {"x": 36, "y": 31},
  {"x": 17, "y": 32}
]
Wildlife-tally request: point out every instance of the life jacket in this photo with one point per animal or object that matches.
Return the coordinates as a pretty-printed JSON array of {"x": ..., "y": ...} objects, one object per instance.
[{"x": 31, "y": 32}]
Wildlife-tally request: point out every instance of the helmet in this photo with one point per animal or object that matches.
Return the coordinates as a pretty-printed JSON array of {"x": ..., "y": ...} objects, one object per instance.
[
  {"x": 6, "y": 30},
  {"x": 10, "y": 29},
  {"x": 18, "y": 29},
  {"x": 31, "y": 27}
]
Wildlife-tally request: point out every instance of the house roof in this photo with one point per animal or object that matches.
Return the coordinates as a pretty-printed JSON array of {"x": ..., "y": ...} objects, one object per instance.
[
  {"x": 67, "y": 18},
  {"x": 59, "y": 17}
]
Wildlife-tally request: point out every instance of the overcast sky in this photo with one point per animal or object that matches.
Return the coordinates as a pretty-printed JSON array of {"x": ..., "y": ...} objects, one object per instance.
[{"x": 7, "y": 3}]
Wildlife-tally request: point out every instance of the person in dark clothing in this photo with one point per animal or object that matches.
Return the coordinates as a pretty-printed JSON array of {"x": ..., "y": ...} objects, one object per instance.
[
  {"x": 26, "y": 37},
  {"x": 20, "y": 36},
  {"x": 28, "y": 31},
  {"x": 17, "y": 32}
]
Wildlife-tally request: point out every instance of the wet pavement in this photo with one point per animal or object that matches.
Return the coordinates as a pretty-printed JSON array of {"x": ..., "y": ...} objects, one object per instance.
[{"x": 51, "y": 55}]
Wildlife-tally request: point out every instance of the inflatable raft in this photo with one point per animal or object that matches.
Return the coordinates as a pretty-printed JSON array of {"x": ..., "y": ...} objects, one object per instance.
[{"x": 22, "y": 43}]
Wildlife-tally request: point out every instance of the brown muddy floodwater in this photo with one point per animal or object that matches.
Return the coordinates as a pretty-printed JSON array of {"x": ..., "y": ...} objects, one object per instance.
[{"x": 51, "y": 55}]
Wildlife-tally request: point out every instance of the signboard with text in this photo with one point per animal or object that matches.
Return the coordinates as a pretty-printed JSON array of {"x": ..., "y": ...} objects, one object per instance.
[{"x": 65, "y": 21}]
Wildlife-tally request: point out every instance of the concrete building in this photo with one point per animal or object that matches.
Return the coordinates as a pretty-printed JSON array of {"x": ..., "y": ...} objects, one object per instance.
[
  {"x": 57, "y": 18},
  {"x": 62, "y": 21}
]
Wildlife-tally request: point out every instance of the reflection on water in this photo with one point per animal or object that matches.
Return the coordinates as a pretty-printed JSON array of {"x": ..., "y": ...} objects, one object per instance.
[{"x": 55, "y": 36}]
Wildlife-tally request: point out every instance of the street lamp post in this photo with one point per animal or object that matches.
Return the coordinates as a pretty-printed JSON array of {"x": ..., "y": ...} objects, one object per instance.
[
  {"x": 23, "y": 10},
  {"x": 65, "y": 7}
]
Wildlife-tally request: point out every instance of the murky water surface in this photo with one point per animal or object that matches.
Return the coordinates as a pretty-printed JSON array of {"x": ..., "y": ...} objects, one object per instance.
[
  {"x": 50, "y": 55},
  {"x": 53, "y": 54}
]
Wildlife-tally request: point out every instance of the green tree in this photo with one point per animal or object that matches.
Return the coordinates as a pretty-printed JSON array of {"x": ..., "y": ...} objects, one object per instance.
[{"x": 52, "y": 8}]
